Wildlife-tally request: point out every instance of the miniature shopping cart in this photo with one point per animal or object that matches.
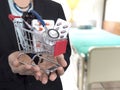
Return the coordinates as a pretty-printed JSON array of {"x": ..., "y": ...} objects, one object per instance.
[{"x": 45, "y": 45}]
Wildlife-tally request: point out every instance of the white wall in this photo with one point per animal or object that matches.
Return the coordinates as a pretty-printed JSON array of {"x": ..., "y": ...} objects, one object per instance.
[{"x": 112, "y": 10}]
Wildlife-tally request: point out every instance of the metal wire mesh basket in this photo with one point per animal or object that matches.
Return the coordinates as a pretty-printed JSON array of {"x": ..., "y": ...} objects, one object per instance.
[{"x": 41, "y": 45}]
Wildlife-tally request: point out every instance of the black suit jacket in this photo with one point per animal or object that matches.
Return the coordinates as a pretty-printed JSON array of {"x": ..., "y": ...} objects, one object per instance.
[{"x": 8, "y": 44}]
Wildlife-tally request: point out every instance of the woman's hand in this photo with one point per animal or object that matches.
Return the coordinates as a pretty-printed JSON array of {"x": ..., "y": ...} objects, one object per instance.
[
  {"x": 44, "y": 65},
  {"x": 23, "y": 65},
  {"x": 60, "y": 70}
]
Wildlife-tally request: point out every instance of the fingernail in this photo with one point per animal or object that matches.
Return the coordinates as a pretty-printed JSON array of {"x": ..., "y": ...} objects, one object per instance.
[{"x": 53, "y": 77}]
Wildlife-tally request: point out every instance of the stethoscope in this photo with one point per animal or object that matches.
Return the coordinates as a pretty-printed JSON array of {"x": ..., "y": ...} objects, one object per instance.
[
  {"x": 17, "y": 8},
  {"x": 49, "y": 35},
  {"x": 52, "y": 33}
]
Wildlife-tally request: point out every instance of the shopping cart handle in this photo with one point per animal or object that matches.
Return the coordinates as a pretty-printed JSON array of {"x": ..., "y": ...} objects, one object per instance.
[
  {"x": 12, "y": 17},
  {"x": 38, "y": 17}
]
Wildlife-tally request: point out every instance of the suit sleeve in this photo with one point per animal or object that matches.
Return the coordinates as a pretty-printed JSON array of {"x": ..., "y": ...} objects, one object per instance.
[
  {"x": 68, "y": 48},
  {"x": 6, "y": 73}
]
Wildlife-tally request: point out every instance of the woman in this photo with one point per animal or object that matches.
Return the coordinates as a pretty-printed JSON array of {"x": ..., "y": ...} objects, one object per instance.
[{"x": 13, "y": 75}]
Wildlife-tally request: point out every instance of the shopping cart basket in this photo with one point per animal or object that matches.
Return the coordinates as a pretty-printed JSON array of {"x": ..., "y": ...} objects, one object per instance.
[{"x": 45, "y": 45}]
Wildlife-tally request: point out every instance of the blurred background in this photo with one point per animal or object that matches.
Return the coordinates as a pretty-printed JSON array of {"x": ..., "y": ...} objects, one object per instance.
[
  {"x": 96, "y": 13},
  {"x": 88, "y": 15},
  {"x": 81, "y": 12}
]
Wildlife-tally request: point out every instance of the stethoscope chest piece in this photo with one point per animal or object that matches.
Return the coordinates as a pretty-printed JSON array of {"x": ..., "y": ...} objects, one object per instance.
[{"x": 53, "y": 33}]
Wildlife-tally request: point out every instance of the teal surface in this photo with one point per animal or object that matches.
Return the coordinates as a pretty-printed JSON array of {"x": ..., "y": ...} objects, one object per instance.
[{"x": 82, "y": 40}]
